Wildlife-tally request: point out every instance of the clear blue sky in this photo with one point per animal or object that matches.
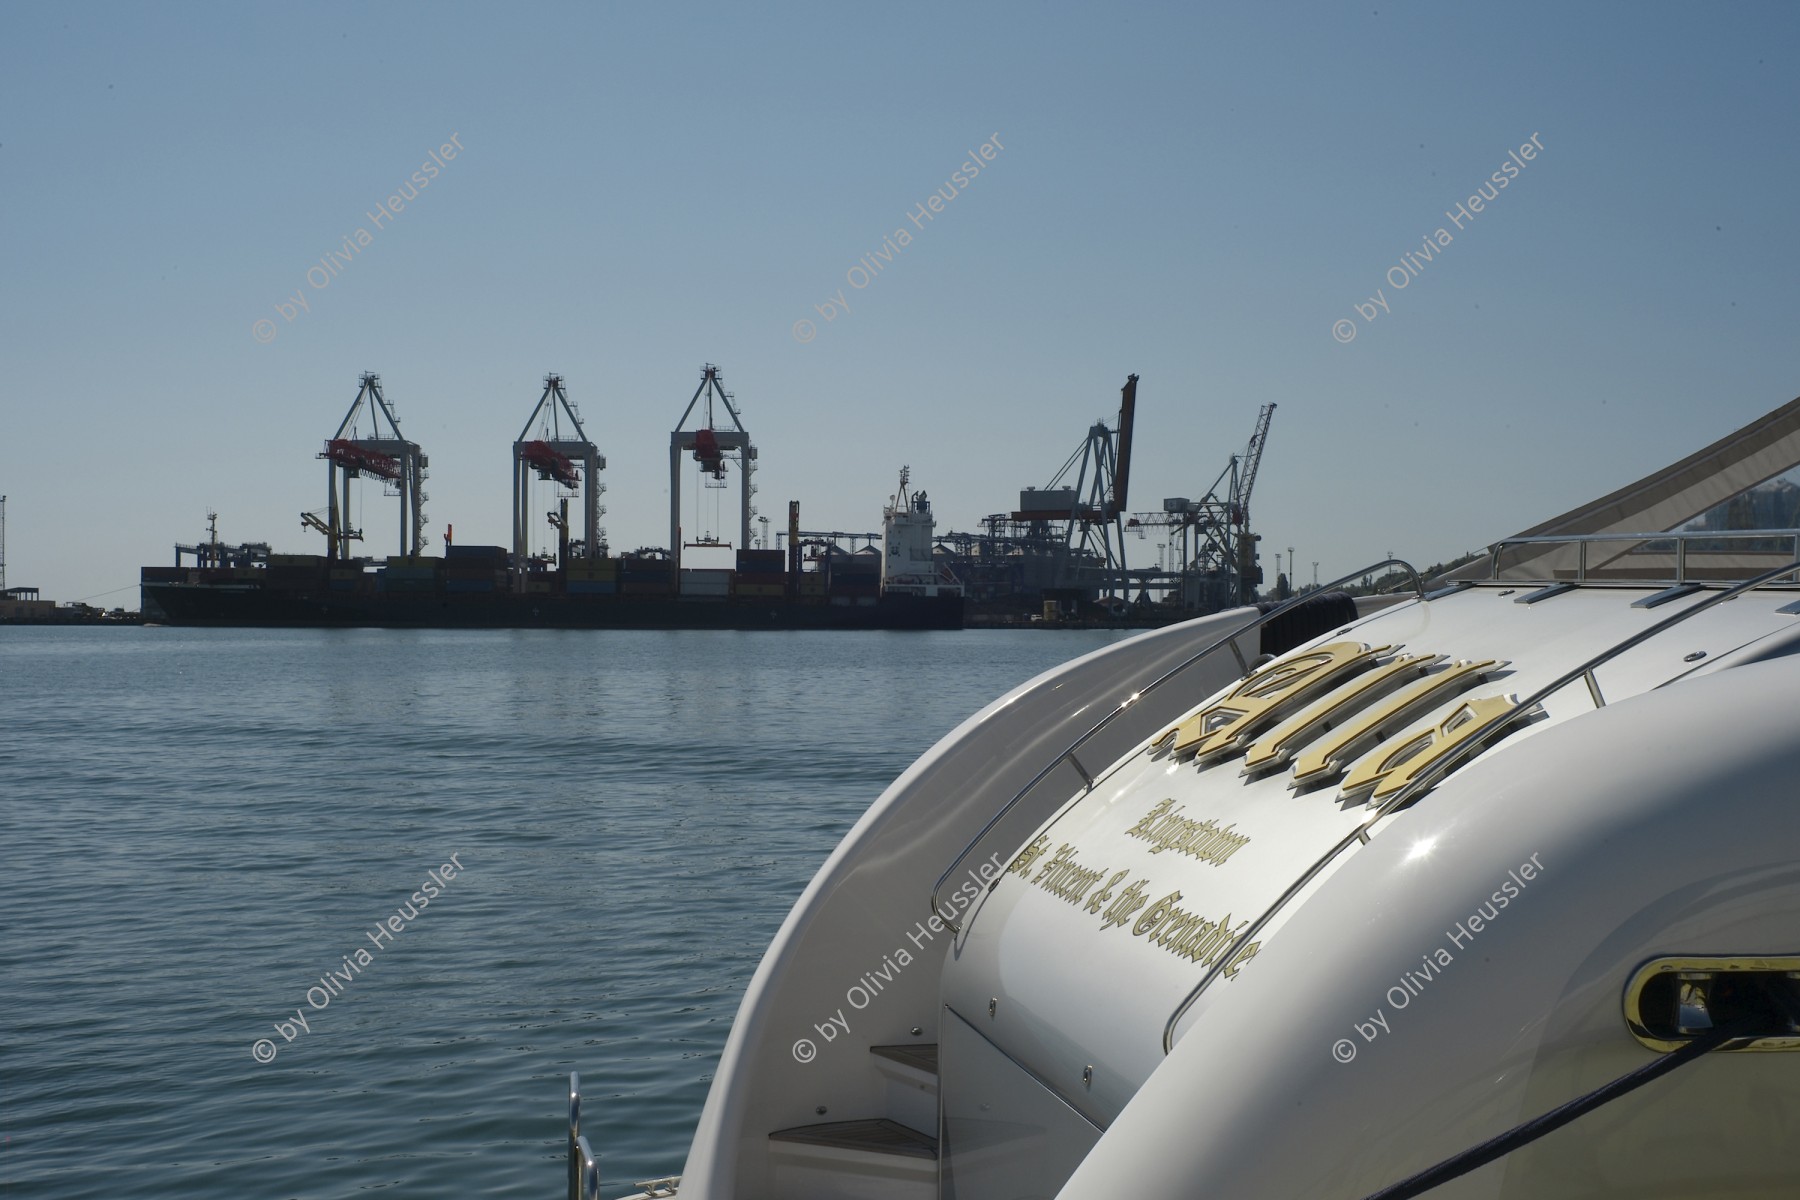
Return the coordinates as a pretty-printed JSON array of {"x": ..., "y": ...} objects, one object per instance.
[{"x": 1195, "y": 194}]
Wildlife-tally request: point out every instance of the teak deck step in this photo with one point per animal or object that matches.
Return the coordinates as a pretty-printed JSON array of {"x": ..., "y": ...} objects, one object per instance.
[
  {"x": 878, "y": 1136},
  {"x": 919, "y": 1056}
]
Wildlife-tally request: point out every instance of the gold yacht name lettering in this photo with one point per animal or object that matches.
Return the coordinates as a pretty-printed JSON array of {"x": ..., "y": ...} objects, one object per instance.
[
  {"x": 1066, "y": 879},
  {"x": 1191, "y": 936},
  {"x": 1203, "y": 840},
  {"x": 1232, "y": 721},
  {"x": 1182, "y": 933},
  {"x": 1030, "y": 854}
]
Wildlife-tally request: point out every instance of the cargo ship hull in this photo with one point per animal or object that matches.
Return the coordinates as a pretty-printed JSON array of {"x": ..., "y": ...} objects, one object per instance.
[{"x": 249, "y": 604}]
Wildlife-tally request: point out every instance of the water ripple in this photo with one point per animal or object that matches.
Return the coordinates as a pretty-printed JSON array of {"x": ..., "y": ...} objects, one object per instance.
[{"x": 196, "y": 827}]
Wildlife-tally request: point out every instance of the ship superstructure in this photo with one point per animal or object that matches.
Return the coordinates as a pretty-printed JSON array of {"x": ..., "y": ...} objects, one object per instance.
[{"x": 909, "y": 564}]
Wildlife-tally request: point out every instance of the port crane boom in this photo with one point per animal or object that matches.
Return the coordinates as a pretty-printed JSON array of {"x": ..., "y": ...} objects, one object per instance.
[
  {"x": 1252, "y": 460},
  {"x": 562, "y": 453},
  {"x": 711, "y": 447},
  {"x": 1249, "y": 574},
  {"x": 1121, "y": 481},
  {"x": 384, "y": 454}
]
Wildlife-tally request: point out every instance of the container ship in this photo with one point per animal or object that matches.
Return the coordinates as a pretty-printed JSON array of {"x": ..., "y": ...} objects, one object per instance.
[
  {"x": 476, "y": 587},
  {"x": 812, "y": 583}
]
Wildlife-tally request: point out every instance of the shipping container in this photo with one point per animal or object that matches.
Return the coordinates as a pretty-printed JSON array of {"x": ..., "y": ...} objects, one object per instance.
[
  {"x": 478, "y": 553},
  {"x": 639, "y": 587},
  {"x": 476, "y": 586},
  {"x": 705, "y": 582},
  {"x": 1047, "y": 500},
  {"x": 761, "y": 560},
  {"x": 761, "y": 590},
  {"x": 593, "y": 587}
]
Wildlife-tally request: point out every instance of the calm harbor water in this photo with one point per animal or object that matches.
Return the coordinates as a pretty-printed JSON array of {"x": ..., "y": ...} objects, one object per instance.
[{"x": 199, "y": 826}]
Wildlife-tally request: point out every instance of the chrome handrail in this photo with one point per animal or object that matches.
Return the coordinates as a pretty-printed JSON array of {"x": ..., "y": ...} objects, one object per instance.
[
  {"x": 590, "y": 1171},
  {"x": 1456, "y": 756},
  {"x": 1680, "y": 538},
  {"x": 574, "y": 1136},
  {"x": 1464, "y": 750},
  {"x": 1229, "y": 639}
]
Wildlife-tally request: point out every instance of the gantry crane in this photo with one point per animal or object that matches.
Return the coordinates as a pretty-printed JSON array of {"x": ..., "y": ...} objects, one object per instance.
[
  {"x": 1093, "y": 507},
  {"x": 1213, "y": 549},
  {"x": 1249, "y": 574},
  {"x": 712, "y": 448},
  {"x": 384, "y": 454},
  {"x": 561, "y": 455}
]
